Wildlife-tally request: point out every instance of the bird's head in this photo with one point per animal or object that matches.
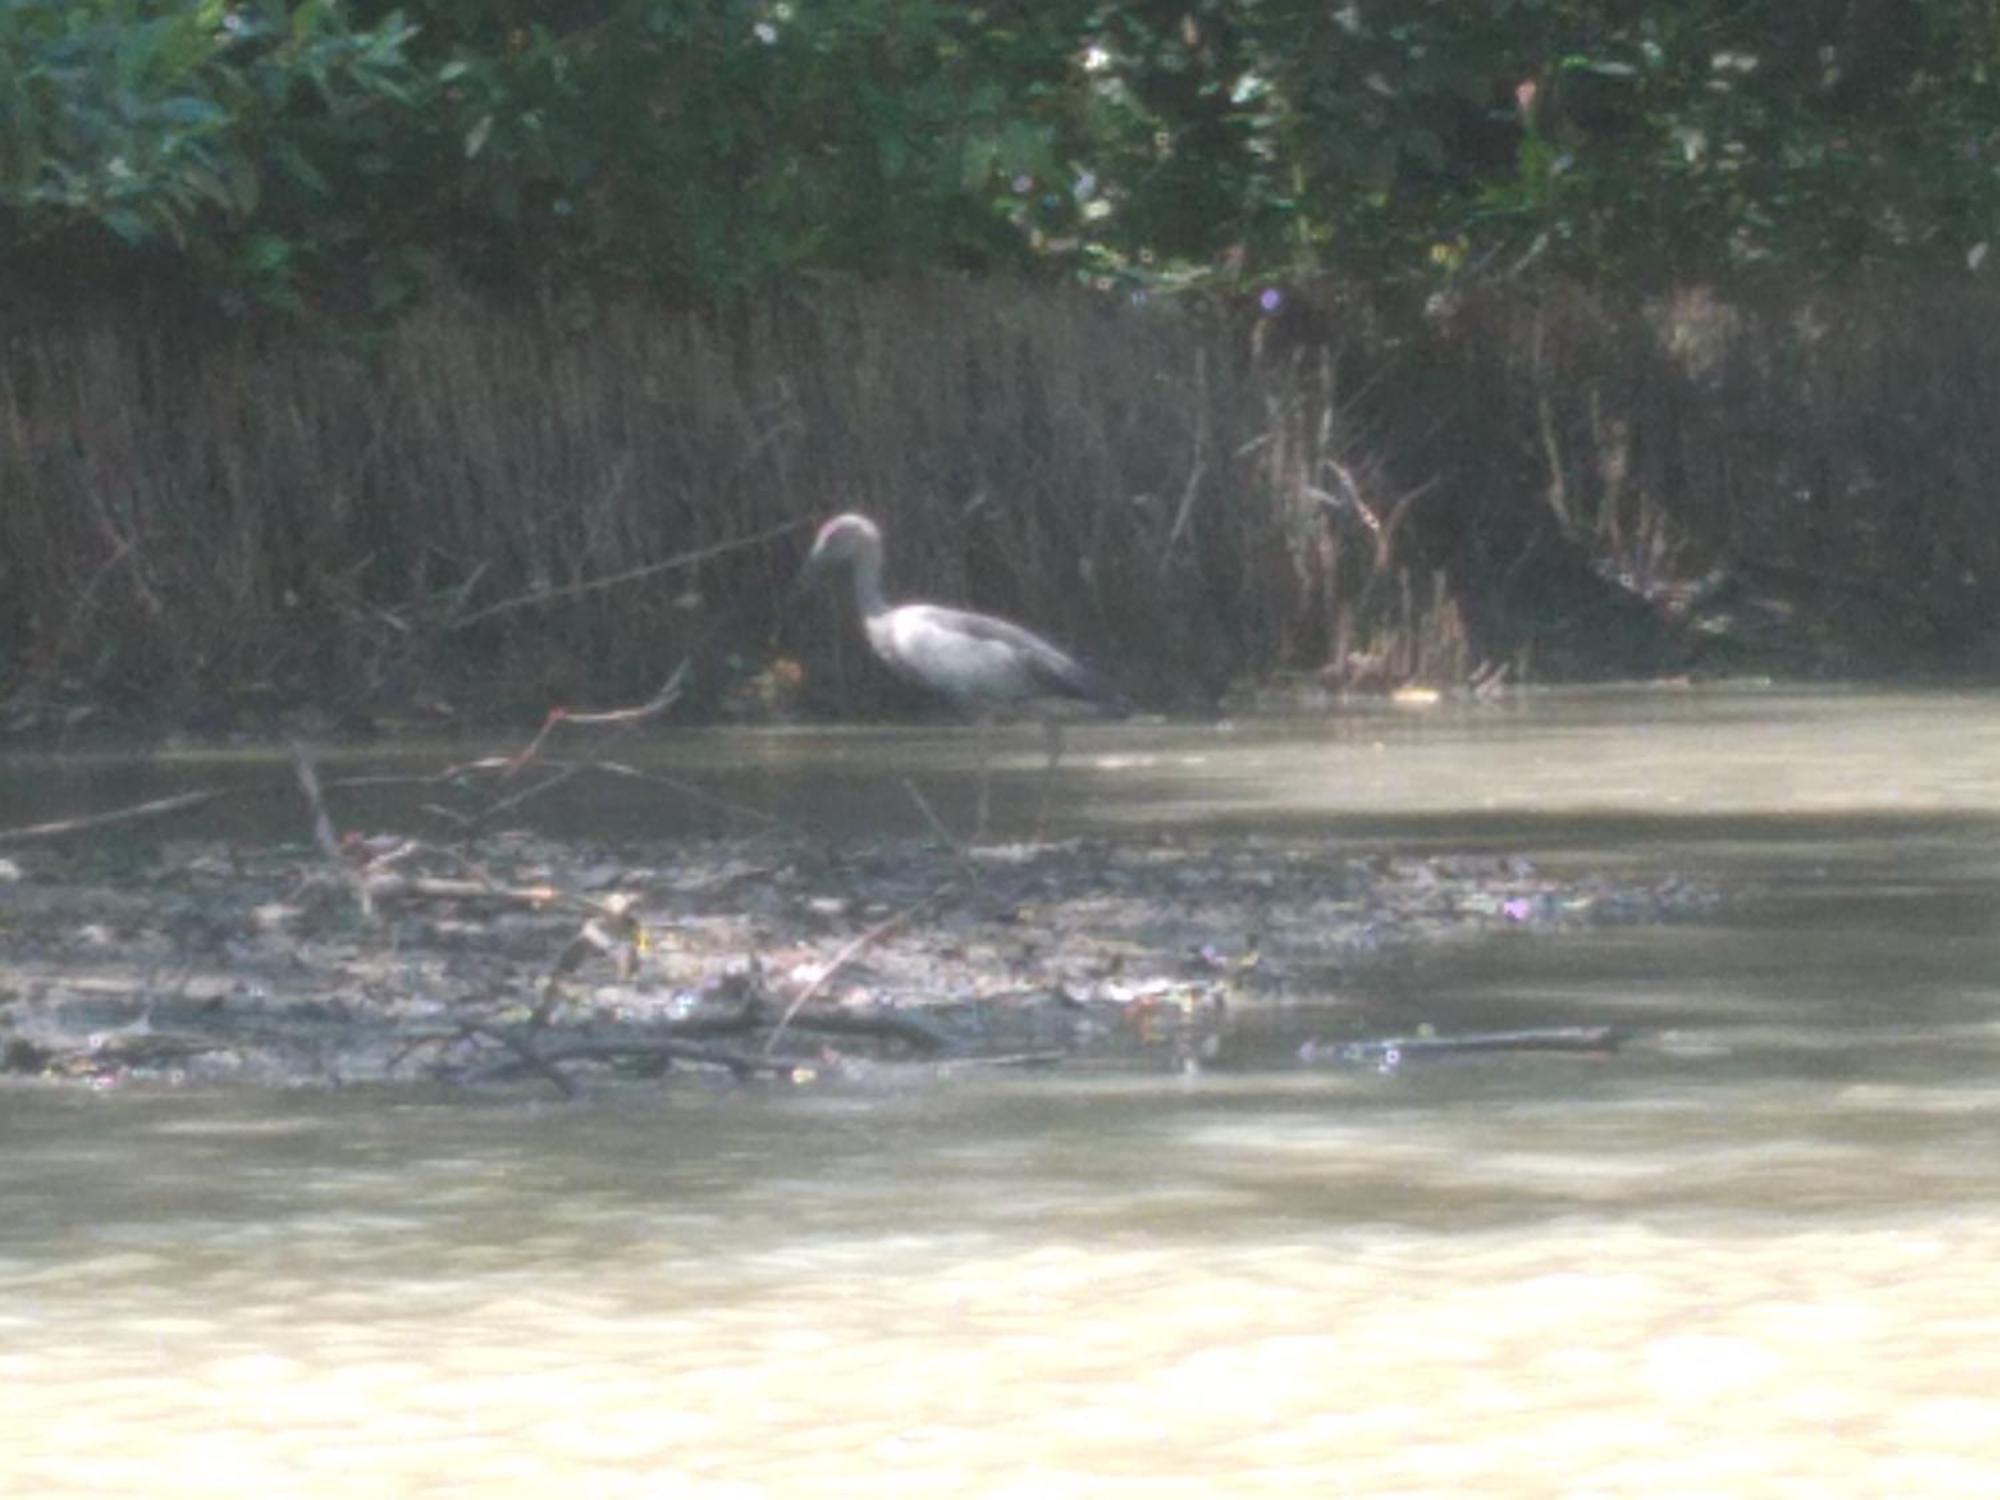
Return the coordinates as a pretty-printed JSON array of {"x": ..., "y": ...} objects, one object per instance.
[{"x": 844, "y": 539}]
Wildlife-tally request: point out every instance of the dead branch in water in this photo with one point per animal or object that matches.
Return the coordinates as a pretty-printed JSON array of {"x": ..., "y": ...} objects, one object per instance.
[
  {"x": 658, "y": 1053},
  {"x": 886, "y": 1023},
  {"x": 157, "y": 808},
  {"x": 527, "y": 794},
  {"x": 693, "y": 794},
  {"x": 744, "y": 1065},
  {"x": 659, "y": 703},
  {"x": 322, "y": 829},
  {"x": 322, "y": 821},
  {"x": 1048, "y": 1058},
  {"x": 930, "y": 816},
  {"x": 879, "y": 1022},
  {"x": 498, "y": 766},
  {"x": 524, "y": 1048},
  {"x": 376, "y": 880},
  {"x": 840, "y": 960},
  {"x": 441, "y": 888}
]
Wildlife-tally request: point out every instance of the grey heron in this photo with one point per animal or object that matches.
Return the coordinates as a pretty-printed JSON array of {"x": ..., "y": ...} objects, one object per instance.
[{"x": 987, "y": 667}]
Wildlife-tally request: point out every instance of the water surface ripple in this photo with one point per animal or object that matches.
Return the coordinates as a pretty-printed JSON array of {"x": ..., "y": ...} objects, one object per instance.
[{"x": 1756, "y": 1256}]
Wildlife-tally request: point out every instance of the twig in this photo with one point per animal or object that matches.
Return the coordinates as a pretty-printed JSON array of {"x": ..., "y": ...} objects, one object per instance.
[
  {"x": 527, "y": 794},
  {"x": 86, "y": 596},
  {"x": 437, "y": 888},
  {"x": 449, "y": 814},
  {"x": 497, "y": 765},
  {"x": 617, "y": 580},
  {"x": 463, "y": 591},
  {"x": 322, "y": 823},
  {"x": 1045, "y": 1059},
  {"x": 742, "y": 1064},
  {"x": 693, "y": 794},
  {"x": 612, "y": 930},
  {"x": 157, "y": 808},
  {"x": 659, "y": 703},
  {"x": 1197, "y": 465},
  {"x": 840, "y": 960},
  {"x": 931, "y": 817},
  {"x": 885, "y": 1022},
  {"x": 512, "y": 764},
  {"x": 322, "y": 828}
]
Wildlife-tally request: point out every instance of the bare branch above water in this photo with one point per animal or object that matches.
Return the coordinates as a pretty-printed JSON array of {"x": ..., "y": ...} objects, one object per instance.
[
  {"x": 551, "y": 595},
  {"x": 158, "y": 807}
]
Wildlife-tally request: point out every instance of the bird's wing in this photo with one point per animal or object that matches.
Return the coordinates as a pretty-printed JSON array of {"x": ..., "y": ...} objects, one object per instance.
[{"x": 1052, "y": 671}]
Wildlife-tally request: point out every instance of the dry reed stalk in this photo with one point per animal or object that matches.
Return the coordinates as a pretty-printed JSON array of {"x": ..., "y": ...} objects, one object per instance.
[{"x": 208, "y": 520}]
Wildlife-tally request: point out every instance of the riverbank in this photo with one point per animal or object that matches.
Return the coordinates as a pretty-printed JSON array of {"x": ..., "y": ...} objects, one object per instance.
[{"x": 483, "y": 513}]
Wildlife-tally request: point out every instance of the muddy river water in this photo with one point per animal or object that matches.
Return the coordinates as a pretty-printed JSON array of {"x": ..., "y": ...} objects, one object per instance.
[{"x": 1759, "y": 1255}]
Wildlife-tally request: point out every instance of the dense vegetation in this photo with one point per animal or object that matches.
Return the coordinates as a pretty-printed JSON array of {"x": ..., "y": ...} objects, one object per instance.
[
  {"x": 362, "y": 351},
  {"x": 283, "y": 149}
]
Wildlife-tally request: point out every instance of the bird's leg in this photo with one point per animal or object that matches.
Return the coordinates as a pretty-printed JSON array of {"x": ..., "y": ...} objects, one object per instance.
[
  {"x": 985, "y": 777},
  {"x": 1052, "y": 729}
]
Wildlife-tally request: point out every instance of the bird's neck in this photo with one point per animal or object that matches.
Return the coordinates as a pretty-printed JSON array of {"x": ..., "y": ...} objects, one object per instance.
[{"x": 868, "y": 585}]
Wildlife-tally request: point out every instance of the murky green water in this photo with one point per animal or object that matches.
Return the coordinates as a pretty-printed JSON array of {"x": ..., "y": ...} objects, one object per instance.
[{"x": 1759, "y": 1257}]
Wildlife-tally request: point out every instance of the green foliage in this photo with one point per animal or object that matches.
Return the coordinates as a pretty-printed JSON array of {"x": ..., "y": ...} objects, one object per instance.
[
  {"x": 307, "y": 148},
  {"x": 1647, "y": 139},
  {"x": 244, "y": 135},
  {"x": 710, "y": 147}
]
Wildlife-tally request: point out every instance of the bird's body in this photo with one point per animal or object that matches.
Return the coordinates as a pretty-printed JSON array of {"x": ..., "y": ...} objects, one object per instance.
[
  {"x": 981, "y": 663},
  {"x": 986, "y": 666}
]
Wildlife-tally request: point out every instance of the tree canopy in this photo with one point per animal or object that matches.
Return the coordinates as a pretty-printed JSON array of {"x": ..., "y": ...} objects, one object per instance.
[{"x": 284, "y": 152}]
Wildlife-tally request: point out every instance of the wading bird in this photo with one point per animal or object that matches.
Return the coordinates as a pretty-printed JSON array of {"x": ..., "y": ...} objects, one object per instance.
[{"x": 987, "y": 667}]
